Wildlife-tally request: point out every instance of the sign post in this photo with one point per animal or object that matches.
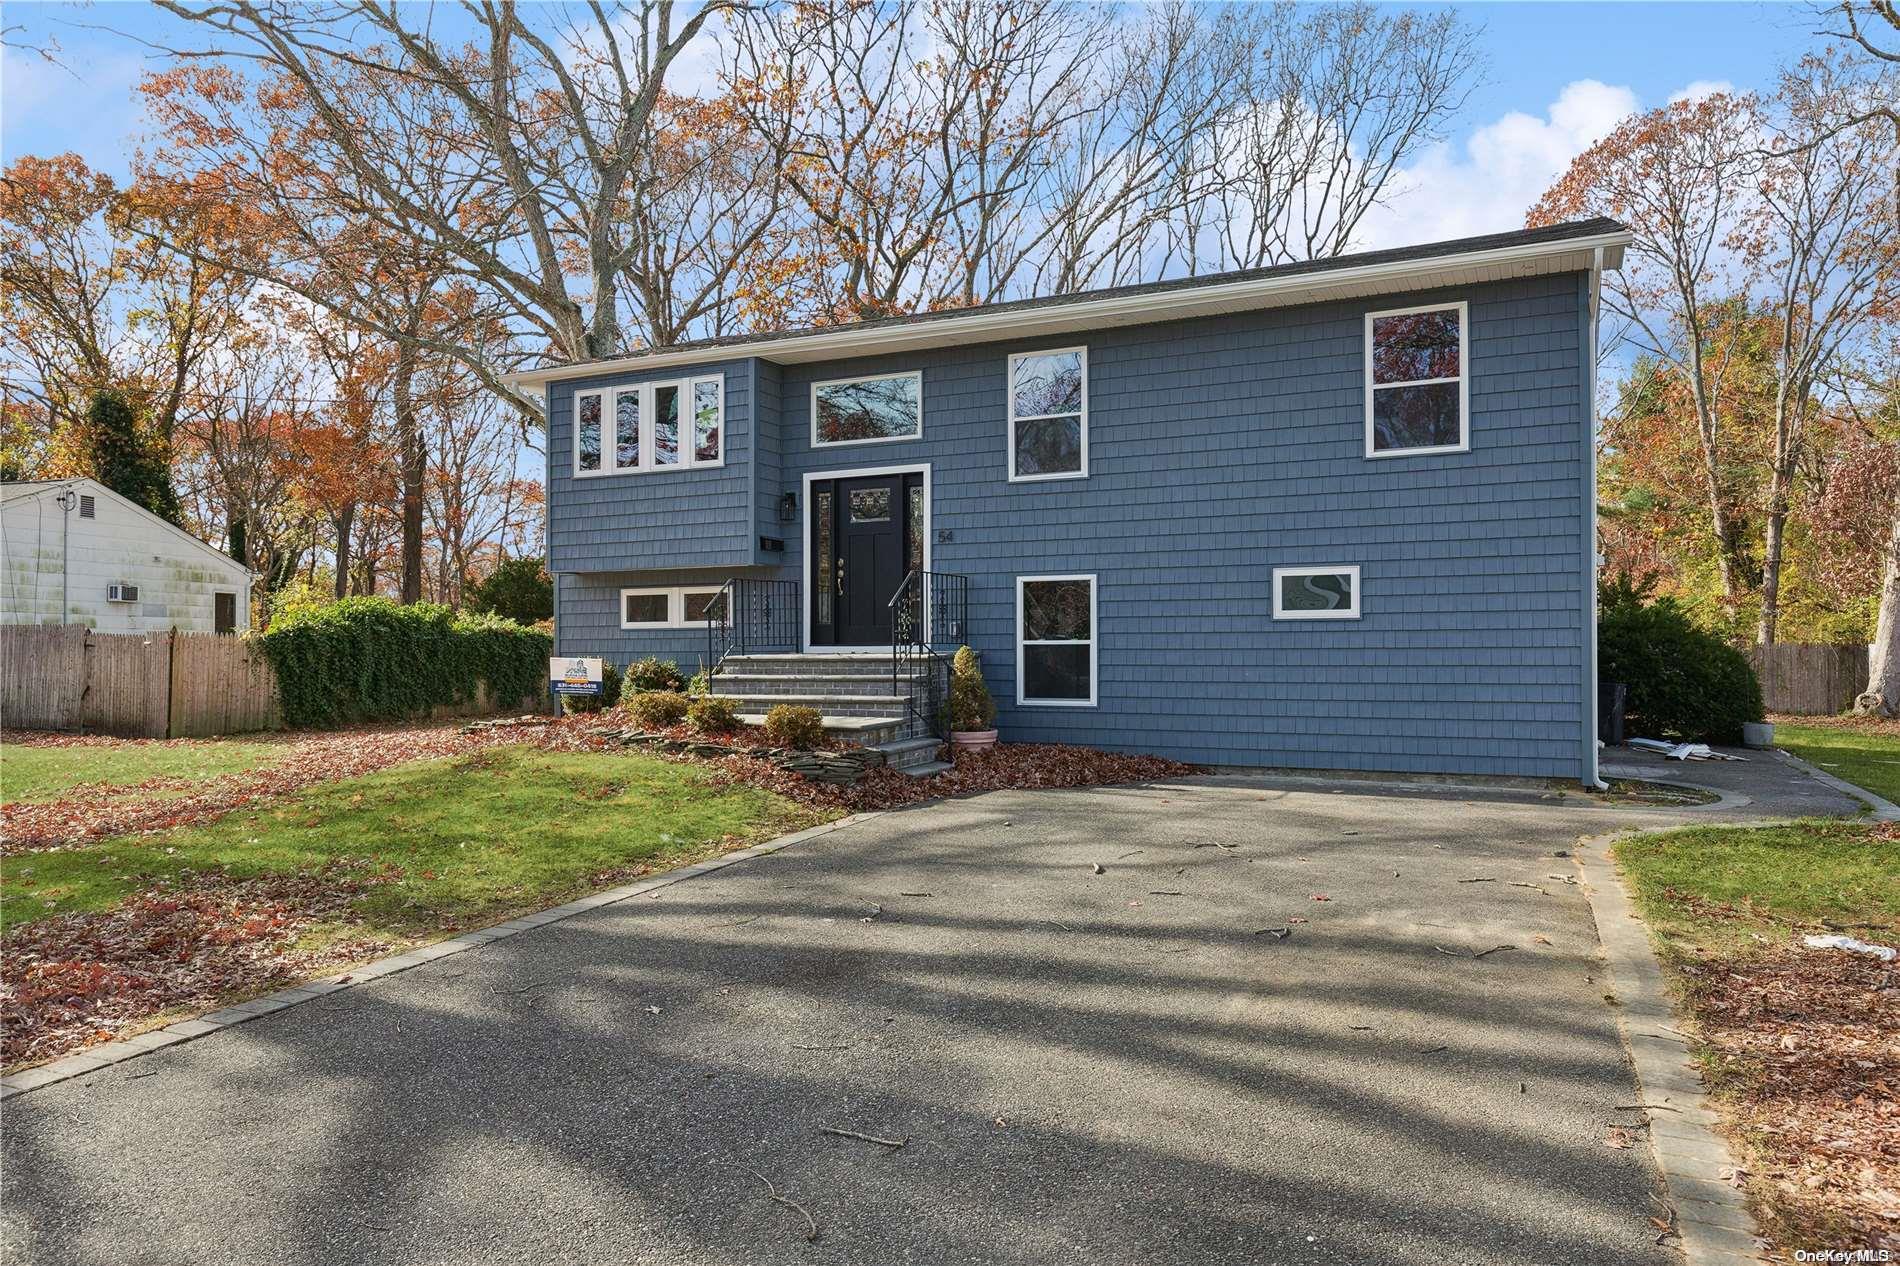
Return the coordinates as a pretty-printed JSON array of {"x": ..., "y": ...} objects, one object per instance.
[{"x": 574, "y": 674}]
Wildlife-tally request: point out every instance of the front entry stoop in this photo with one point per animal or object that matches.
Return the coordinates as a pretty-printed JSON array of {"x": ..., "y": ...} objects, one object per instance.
[{"x": 856, "y": 694}]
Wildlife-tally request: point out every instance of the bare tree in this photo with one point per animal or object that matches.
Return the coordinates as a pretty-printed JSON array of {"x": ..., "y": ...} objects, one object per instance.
[{"x": 1825, "y": 237}]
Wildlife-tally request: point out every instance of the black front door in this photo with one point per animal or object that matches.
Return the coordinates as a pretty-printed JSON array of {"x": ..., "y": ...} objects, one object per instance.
[{"x": 865, "y": 535}]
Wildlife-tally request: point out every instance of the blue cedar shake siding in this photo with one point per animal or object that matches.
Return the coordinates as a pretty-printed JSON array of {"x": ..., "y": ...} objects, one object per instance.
[{"x": 1219, "y": 449}]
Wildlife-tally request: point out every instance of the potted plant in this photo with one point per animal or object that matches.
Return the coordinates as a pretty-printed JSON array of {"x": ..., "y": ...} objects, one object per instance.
[{"x": 972, "y": 711}]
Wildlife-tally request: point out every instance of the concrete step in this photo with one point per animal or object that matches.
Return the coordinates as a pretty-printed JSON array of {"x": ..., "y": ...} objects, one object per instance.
[
  {"x": 906, "y": 754},
  {"x": 856, "y": 731},
  {"x": 925, "y": 771},
  {"x": 840, "y": 665}
]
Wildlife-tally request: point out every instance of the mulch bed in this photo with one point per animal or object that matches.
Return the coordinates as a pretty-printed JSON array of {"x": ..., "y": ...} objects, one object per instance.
[
  {"x": 77, "y": 979},
  {"x": 1806, "y": 1049}
]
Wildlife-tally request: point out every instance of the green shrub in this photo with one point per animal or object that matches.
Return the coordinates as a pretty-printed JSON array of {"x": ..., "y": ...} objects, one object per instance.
[
  {"x": 971, "y": 707},
  {"x": 711, "y": 714},
  {"x": 1683, "y": 682},
  {"x": 657, "y": 709},
  {"x": 701, "y": 684},
  {"x": 368, "y": 659},
  {"x": 794, "y": 725},
  {"x": 608, "y": 696},
  {"x": 518, "y": 588},
  {"x": 654, "y": 673}
]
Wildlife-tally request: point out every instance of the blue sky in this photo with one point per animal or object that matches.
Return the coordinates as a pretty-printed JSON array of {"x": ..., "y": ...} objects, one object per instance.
[{"x": 1560, "y": 75}]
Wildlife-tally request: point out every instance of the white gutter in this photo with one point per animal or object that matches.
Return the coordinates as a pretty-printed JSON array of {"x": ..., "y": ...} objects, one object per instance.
[{"x": 981, "y": 325}]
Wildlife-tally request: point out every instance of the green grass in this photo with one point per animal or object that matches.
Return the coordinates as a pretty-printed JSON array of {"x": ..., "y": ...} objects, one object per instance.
[
  {"x": 1718, "y": 887},
  {"x": 34, "y": 774},
  {"x": 1863, "y": 757},
  {"x": 474, "y": 837}
]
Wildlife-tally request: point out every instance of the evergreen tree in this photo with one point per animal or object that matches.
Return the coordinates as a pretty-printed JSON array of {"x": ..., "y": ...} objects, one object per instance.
[{"x": 126, "y": 461}]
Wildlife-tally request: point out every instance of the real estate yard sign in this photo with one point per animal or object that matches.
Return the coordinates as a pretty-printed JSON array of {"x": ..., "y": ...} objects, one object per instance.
[{"x": 574, "y": 675}]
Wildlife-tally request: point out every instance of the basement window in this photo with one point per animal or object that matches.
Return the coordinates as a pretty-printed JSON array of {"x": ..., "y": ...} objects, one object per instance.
[{"x": 1055, "y": 641}]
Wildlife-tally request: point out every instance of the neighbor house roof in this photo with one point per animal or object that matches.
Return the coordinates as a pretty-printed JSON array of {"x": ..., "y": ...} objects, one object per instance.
[
  {"x": 1572, "y": 247},
  {"x": 16, "y": 491}
]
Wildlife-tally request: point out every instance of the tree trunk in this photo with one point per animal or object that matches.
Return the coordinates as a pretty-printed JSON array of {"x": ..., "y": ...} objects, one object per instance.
[
  {"x": 343, "y": 522},
  {"x": 1772, "y": 541},
  {"x": 409, "y": 442},
  {"x": 1882, "y": 697}
]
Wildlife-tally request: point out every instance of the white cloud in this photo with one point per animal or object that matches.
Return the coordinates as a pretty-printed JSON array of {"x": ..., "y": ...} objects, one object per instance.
[
  {"x": 1487, "y": 184},
  {"x": 1702, "y": 88}
]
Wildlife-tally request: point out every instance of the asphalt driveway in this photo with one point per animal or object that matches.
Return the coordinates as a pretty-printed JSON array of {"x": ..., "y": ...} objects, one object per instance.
[{"x": 1101, "y": 1068}]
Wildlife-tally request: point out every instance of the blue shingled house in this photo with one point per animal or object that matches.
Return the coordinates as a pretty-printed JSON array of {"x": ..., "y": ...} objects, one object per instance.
[{"x": 1334, "y": 515}]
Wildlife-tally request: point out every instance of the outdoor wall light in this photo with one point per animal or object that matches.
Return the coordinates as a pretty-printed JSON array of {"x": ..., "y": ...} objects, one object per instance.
[{"x": 788, "y": 508}]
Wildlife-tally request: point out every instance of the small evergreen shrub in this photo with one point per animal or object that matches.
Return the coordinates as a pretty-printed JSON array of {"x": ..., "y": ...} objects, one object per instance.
[
  {"x": 654, "y": 673},
  {"x": 518, "y": 588},
  {"x": 794, "y": 725},
  {"x": 971, "y": 707},
  {"x": 609, "y": 692},
  {"x": 701, "y": 684},
  {"x": 657, "y": 709},
  {"x": 710, "y": 714},
  {"x": 369, "y": 659},
  {"x": 1683, "y": 682}
]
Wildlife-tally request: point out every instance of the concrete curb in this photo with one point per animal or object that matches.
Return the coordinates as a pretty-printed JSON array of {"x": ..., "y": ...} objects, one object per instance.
[
  {"x": 93, "y": 1058},
  {"x": 1884, "y": 810},
  {"x": 1726, "y": 801},
  {"x": 1711, "y": 1216}
]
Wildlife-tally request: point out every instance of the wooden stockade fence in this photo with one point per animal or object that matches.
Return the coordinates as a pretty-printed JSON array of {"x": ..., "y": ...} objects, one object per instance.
[
  {"x": 1808, "y": 679},
  {"x": 134, "y": 685}
]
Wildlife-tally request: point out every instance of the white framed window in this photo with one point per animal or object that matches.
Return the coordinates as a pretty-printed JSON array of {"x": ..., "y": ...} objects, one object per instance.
[
  {"x": 1418, "y": 388},
  {"x": 1049, "y": 414},
  {"x": 647, "y": 608},
  {"x": 1316, "y": 593},
  {"x": 650, "y": 426},
  {"x": 1055, "y": 641},
  {"x": 669, "y": 607},
  {"x": 875, "y": 410}
]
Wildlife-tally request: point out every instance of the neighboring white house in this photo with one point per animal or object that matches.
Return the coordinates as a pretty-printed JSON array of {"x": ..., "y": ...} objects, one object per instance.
[{"x": 72, "y": 551}]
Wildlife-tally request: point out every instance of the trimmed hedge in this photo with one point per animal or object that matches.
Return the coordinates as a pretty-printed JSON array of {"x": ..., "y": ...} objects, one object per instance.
[
  {"x": 712, "y": 714},
  {"x": 795, "y": 726},
  {"x": 657, "y": 709},
  {"x": 1683, "y": 682},
  {"x": 370, "y": 659}
]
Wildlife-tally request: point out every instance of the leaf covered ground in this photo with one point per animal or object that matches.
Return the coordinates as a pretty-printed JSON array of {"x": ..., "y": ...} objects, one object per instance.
[
  {"x": 1800, "y": 1046},
  {"x": 138, "y": 892}
]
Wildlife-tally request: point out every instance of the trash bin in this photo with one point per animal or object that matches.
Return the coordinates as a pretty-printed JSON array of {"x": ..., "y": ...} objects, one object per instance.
[{"x": 1612, "y": 699}]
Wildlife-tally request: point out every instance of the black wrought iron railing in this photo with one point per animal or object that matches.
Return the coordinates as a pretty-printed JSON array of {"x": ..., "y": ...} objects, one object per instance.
[
  {"x": 750, "y": 616},
  {"x": 930, "y": 618}
]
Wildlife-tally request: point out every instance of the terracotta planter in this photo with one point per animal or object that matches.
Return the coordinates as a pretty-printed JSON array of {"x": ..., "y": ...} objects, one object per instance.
[{"x": 972, "y": 740}]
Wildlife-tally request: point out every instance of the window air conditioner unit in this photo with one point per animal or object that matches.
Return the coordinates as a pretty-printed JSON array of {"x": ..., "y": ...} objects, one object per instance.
[{"x": 122, "y": 593}]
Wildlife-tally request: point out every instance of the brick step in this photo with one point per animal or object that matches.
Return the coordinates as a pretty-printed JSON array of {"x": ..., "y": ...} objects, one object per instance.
[
  {"x": 806, "y": 665},
  {"x": 885, "y": 705},
  {"x": 904, "y": 755},
  {"x": 747, "y": 685},
  {"x": 856, "y": 731}
]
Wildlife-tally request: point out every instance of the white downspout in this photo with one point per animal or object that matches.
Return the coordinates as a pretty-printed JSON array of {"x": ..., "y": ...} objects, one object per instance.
[{"x": 1595, "y": 555}]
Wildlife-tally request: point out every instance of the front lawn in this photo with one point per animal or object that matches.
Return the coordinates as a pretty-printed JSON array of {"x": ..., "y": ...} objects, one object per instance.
[
  {"x": 1863, "y": 750},
  {"x": 1797, "y": 1044},
  {"x": 51, "y": 766},
  {"x": 102, "y": 936}
]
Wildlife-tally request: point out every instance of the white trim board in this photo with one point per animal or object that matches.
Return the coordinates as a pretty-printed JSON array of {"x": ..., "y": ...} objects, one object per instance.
[
  {"x": 1053, "y": 320},
  {"x": 804, "y": 543}
]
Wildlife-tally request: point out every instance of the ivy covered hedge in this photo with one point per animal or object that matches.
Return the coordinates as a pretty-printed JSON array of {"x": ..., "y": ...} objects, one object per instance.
[{"x": 370, "y": 659}]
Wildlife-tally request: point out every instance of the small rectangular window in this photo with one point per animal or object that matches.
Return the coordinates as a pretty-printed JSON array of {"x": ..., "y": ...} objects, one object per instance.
[
  {"x": 867, "y": 410},
  {"x": 587, "y": 431},
  {"x": 870, "y": 505},
  {"x": 1416, "y": 385},
  {"x": 646, "y": 608},
  {"x": 1049, "y": 415},
  {"x": 1316, "y": 593},
  {"x": 700, "y": 605},
  {"x": 1055, "y": 640}
]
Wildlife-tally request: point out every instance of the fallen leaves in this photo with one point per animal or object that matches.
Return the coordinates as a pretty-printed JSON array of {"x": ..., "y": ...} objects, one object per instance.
[{"x": 75, "y": 979}]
